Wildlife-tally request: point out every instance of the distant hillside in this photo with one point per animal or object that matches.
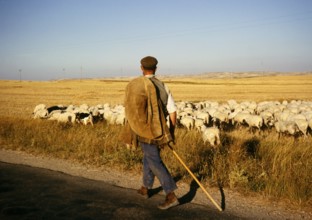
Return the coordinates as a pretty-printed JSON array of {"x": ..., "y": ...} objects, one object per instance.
[{"x": 234, "y": 74}]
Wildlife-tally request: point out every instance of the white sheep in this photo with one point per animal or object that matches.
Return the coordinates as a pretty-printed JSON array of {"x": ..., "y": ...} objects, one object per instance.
[
  {"x": 120, "y": 119},
  {"x": 87, "y": 120},
  {"x": 187, "y": 122},
  {"x": 39, "y": 107},
  {"x": 63, "y": 117},
  {"x": 268, "y": 119},
  {"x": 204, "y": 116},
  {"x": 212, "y": 135},
  {"x": 302, "y": 125},
  {"x": 301, "y": 122},
  {"x": 254, "y": 121},
  {"x": 219, "y": 118},
  {"x": 41, "y": 113},
  {"x": 240, "y": 118},
  {"x": 198, "y": 123},
  {"x": 310, "y": 123},
  {"x": 285, "y": 127}
]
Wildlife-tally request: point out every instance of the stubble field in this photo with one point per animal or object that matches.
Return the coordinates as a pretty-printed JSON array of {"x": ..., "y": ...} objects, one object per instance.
[{"x": 276, "y": 168}]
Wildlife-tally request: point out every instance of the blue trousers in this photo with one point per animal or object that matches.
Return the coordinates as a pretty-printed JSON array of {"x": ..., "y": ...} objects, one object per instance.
[{"x": 154, "y": 166}]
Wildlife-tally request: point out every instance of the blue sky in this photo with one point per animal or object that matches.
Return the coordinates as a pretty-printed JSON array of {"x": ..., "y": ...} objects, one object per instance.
[{"x": 56, "y": 39}]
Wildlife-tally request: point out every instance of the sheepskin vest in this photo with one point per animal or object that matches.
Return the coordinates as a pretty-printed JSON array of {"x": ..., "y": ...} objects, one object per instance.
[
  {"x": 145, "y": 119},
  {"x": 161, "y": 94}
]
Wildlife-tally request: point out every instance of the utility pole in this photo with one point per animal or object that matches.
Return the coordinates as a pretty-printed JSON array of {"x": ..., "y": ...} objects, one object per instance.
[
  {"x": 20, "y": 75},
  {"x": 80, "y": 73},
  {"x": 64, "y": 71}
]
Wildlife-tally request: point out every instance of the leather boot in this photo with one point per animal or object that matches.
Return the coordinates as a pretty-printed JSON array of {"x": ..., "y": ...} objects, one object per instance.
[
  {"x": 143, "y": 191},
  {"x": 171, "y": 201}
]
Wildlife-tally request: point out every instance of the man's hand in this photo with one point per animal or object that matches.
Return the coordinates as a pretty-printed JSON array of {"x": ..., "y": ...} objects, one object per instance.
[
  {"x": 173, "y": 122},
  {"x": 171, "y": 129}
]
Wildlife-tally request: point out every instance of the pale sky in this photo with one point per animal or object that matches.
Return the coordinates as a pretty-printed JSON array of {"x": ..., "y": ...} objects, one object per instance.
[{"x": 57, "y": 39}]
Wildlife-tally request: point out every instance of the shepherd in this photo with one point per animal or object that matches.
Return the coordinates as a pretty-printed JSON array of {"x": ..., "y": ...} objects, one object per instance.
[{"x": 150, "y": 123}]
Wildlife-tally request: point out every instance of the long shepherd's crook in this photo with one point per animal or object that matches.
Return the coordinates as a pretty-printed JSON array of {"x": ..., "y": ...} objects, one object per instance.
[{"x": 194, "y": 177}]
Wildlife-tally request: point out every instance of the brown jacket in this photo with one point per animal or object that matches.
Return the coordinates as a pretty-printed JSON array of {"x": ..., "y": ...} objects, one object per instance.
[{"x": 145, "y": 120}]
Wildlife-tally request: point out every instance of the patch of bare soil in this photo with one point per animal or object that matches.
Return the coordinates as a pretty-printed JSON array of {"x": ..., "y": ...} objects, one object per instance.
[{"x": 251, "y": 207}]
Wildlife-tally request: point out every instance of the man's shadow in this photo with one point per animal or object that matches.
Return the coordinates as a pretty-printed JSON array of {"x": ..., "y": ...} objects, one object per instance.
[
  {"x": 189, "y": 196},
  {"x": 158, "y": 189}
]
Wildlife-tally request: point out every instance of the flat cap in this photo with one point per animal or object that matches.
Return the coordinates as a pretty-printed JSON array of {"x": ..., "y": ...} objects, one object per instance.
[{"x": 149, "y": 63}]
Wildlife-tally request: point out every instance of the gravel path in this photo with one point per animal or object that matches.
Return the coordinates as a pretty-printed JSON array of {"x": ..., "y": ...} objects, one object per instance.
[{"x": 252, "y": 207}]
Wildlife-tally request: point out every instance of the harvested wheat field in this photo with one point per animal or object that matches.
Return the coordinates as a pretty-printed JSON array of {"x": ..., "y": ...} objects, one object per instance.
[{"x": 19, "y": 98}]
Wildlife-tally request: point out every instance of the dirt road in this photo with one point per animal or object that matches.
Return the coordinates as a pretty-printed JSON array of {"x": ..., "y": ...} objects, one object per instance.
[
  {"x": 35, "y": 193},
  {"x": 33, "y": 187}
]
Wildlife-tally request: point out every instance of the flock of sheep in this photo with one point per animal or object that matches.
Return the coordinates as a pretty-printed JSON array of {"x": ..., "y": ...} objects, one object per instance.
[
  {"x": 82, "y": 114},
  {"x": 289, "y": 118},
  {"x": 209, "y": 117}
]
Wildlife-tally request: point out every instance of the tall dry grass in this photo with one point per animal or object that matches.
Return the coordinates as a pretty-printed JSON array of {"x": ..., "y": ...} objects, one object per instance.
[
  {"x": 247, "y": 162},
  {"x": 262, "y": 163}
]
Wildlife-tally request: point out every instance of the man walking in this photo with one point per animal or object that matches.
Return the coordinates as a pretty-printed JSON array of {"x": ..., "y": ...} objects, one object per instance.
[{"x": 148, "y": 102}]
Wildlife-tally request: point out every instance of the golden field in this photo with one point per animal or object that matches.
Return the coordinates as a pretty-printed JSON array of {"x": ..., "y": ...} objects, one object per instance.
[
  {"x": 276, "y": 168},
  {"x": 18, "y": 98}
]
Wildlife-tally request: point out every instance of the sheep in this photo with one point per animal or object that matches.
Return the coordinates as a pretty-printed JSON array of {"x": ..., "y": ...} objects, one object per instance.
[
  {"x": 84, "y": 107},
  {"x": 189, "y": 110},
  {"x": 280, "y": 127},
  {"x": 63, "y": 117},
  {"x": 120, "y": 119},
  {"x": 56, "y": 108},
  {"x": 300, "y": 121},
  {"x": 84, "y": 118},
  {"x": 187, "y": 122},
  {"x": 240, "y": 118},
  {"x": 204, "y": 116},
  {"x": 39, "y": 107},
  {"x": 290, "y": 117},
  {"x": 219, "y": 118},
  {"x": 285, "y": 127},
  {"x": 41, "y": 113},
  {"x": 87, "y": 120},
  {"x": 198, "y": 123},
  {"x": 211, "y": 111},
  {"x": 232, "y": 103},
  {"x": 212, "y": 135},
  {"x": 310, "y": 124},
  {"x": 182, "y": 114},
  {"x": 267, "y": 118},
  {"x": 302, "y": 125},
  {"x": 254, "y": 121}
]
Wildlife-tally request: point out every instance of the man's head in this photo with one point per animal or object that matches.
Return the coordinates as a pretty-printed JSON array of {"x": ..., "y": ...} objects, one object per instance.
[{"x": 149, "y": 64}]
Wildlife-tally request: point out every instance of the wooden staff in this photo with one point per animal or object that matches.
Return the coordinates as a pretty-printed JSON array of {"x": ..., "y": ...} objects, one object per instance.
[{"x": 194, "y": 177}]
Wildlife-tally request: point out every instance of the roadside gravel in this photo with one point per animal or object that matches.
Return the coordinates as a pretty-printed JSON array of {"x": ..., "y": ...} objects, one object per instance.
[{"x": 251, "y": 207}]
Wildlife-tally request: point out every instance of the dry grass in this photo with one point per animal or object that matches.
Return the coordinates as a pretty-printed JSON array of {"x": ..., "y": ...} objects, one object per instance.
[{"x": 278, "y": 168}]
